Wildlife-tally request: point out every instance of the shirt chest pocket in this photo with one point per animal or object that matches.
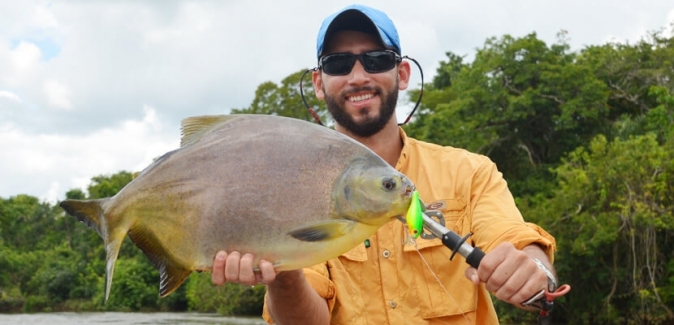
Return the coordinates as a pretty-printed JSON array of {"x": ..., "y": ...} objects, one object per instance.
[{"x": 442, "y": 288}]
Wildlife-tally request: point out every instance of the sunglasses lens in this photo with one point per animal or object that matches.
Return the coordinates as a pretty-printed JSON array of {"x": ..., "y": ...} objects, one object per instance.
[
  {"x": 378, "y": 61},
  {"x": 338, "y": 64},
  {"x": 373, "y": 62}
]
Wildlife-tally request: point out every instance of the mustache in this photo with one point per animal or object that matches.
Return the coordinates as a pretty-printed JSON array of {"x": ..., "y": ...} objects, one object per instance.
[{"x": 354, "y": 90}]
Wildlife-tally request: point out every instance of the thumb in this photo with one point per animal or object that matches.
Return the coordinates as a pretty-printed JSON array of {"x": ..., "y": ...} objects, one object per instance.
[{"x": 471, "y": 274}]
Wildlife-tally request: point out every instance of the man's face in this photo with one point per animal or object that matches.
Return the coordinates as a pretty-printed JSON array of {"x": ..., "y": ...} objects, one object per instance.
[{"x": 360, "y": 102}]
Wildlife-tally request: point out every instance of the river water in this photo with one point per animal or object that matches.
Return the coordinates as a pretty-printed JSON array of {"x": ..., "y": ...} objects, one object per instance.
[{"x": 114, "y": 318}]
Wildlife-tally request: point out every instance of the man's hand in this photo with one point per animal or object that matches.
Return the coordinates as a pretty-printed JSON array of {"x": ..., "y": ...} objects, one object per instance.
[
  {"x": 511, "y": 274},
  {"x": 290, "y": 299},
  {"x": 235, "y": 268}
]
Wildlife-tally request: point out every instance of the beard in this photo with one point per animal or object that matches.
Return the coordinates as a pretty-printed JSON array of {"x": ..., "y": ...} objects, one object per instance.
[{"x": 367, "y": 125}]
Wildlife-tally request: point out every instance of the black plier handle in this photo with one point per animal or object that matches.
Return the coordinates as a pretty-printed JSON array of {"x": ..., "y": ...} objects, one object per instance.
[{"x": 473, "y": 255}]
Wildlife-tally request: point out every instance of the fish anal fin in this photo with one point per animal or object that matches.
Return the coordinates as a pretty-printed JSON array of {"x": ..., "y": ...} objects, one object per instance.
[
  {"x": 171, "y": 273},
  {"x": 193, "y": 128},
  {"x": 322, "y": 231},
  {"x": 171, "y": 278}
]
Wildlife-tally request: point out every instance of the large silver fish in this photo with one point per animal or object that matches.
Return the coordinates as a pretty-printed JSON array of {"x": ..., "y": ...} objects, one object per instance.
[{"x": 285, "y": 190}]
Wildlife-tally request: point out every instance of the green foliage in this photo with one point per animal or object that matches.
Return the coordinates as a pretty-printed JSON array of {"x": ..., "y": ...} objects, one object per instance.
[
  {"x": 132, "y": 285},
  {"x": 229, "y": 299},
  {"x": 615, "y": 210},
  {"x": 285, "y": 99},
  {"x": 11, "y": 300},
  {"x": 632, "y": 71},
  {"x": 521, "y": 102},
  {"x": 106, "y": 186}
]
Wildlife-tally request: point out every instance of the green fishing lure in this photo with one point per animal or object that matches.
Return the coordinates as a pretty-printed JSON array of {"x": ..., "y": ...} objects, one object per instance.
[{"x": 415, "y": 220}]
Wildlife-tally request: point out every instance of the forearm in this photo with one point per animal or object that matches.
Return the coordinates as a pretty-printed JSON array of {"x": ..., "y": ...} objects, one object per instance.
[{"x": 291, "y": 300}]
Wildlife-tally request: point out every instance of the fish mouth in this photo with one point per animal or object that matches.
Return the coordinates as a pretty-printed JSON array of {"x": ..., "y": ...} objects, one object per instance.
[
  {"x": 409, "y": 187},
  {"x": 407, "y": 194}
]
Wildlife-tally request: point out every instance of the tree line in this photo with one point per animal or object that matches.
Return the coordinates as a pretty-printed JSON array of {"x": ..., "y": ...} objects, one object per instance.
[{"x": 584, "y": 138}]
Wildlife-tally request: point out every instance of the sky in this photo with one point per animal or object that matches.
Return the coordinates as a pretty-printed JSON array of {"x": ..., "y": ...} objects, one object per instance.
[{"x": 96, "y": 87}]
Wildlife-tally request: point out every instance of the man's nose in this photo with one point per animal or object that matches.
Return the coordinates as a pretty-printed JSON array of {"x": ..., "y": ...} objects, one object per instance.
[{"x": 358, "y": 75}]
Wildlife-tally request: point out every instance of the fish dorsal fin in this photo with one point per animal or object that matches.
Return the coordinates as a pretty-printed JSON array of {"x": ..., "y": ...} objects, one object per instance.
[
  {"x": 193, "y": 128},
  {"x": 171, "y": 274}
]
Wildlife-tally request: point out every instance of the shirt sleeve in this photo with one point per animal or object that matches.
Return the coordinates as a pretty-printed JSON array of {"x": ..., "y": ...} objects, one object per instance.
[
  {"x": 319, "y": 279},
  {"x": 496, "y": 218}
]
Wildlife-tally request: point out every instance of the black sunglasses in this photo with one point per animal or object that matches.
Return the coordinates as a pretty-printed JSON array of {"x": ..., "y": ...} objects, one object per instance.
[{"x": 340, "y": 64}]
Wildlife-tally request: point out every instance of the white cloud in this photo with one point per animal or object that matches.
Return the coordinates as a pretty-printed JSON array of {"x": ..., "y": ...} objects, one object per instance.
[
  {"x": 669, "y": 29},
  {"x": 10, "y": 96},
  {"x": 42, "y": 18},
  {"x": 23, "y": 60},
  {"x": 47, "y": 165},
  {"x": 58, "y": 94}
]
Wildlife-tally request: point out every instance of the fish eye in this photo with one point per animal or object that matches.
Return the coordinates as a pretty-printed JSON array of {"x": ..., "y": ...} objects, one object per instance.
[{"x": 389, "y": 184}]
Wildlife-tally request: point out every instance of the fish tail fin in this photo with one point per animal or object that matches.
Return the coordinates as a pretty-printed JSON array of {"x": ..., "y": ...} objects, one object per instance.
[
  {"x": 90, "y": 212},
  {"x": 112, "y": 246}
]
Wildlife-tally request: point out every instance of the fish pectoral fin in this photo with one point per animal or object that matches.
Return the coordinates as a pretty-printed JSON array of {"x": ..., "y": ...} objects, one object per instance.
[{"x": 323, "y": 231}]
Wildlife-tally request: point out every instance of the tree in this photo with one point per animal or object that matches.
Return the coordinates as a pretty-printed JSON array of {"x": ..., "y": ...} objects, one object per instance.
[
  {"x": 521, "y": 102},
  {"x": 106, "y": 186},
  {"x": 615, "y": 210},
  {"x": 631, "y": 71},
  {"x": 285, "y": 99}
]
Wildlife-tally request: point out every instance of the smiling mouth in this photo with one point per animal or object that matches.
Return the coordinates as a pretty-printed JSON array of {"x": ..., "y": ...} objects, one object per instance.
[{"x": 360, "y": 98}]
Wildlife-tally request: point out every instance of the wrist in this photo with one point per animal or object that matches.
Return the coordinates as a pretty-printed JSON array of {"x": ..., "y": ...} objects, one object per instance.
[
  {"x": 552, "y": 280},
  {"x": 287, "y": 280}
]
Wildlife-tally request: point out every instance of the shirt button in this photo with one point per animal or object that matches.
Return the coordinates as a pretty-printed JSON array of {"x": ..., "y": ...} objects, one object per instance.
[
  {"x": 386, "y": 253},
  {"x": 393, "y": 304}
]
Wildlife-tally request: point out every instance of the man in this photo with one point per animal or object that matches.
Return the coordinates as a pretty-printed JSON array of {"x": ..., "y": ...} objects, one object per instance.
[{"x": 386, "y": 280}]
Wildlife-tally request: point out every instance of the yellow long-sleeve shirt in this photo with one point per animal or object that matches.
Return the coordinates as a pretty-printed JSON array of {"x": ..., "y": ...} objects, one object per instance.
[{"x": 388, "y": 282}]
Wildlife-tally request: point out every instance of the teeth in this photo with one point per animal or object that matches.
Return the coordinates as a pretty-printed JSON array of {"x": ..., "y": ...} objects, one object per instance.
[{"x": 360, "y": 98}]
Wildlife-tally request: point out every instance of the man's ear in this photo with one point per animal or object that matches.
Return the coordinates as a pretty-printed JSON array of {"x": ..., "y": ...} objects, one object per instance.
[
  {"x": 404, "y": 72},
  {"x": 318, "y": 84}
]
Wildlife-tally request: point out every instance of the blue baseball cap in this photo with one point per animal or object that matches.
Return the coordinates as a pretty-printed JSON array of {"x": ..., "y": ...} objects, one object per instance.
[{"x": 363, "y": 19}]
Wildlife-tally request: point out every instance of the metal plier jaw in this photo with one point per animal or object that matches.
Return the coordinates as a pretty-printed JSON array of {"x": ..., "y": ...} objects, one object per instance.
[
  {"x": 544, "y": 301},
  {"x": 436, "y": 216}
]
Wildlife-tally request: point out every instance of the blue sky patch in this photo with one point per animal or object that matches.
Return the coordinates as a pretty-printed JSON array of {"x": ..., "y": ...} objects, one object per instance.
[{"x": 47, "y": 46}]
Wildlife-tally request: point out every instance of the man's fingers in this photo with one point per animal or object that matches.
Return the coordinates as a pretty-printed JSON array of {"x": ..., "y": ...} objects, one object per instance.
[
  {"x": 235, "y": 268},
  {"x": 267, "y": 273},
  {"x": 471, "y": 274},
  {"x": 232, "y": 267},
  {"x": 505, "y": 289},
  {"x": 246, "y": 273},
  {"x": 218, "y": 272},
  {"x": 492, "y": 261}
]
